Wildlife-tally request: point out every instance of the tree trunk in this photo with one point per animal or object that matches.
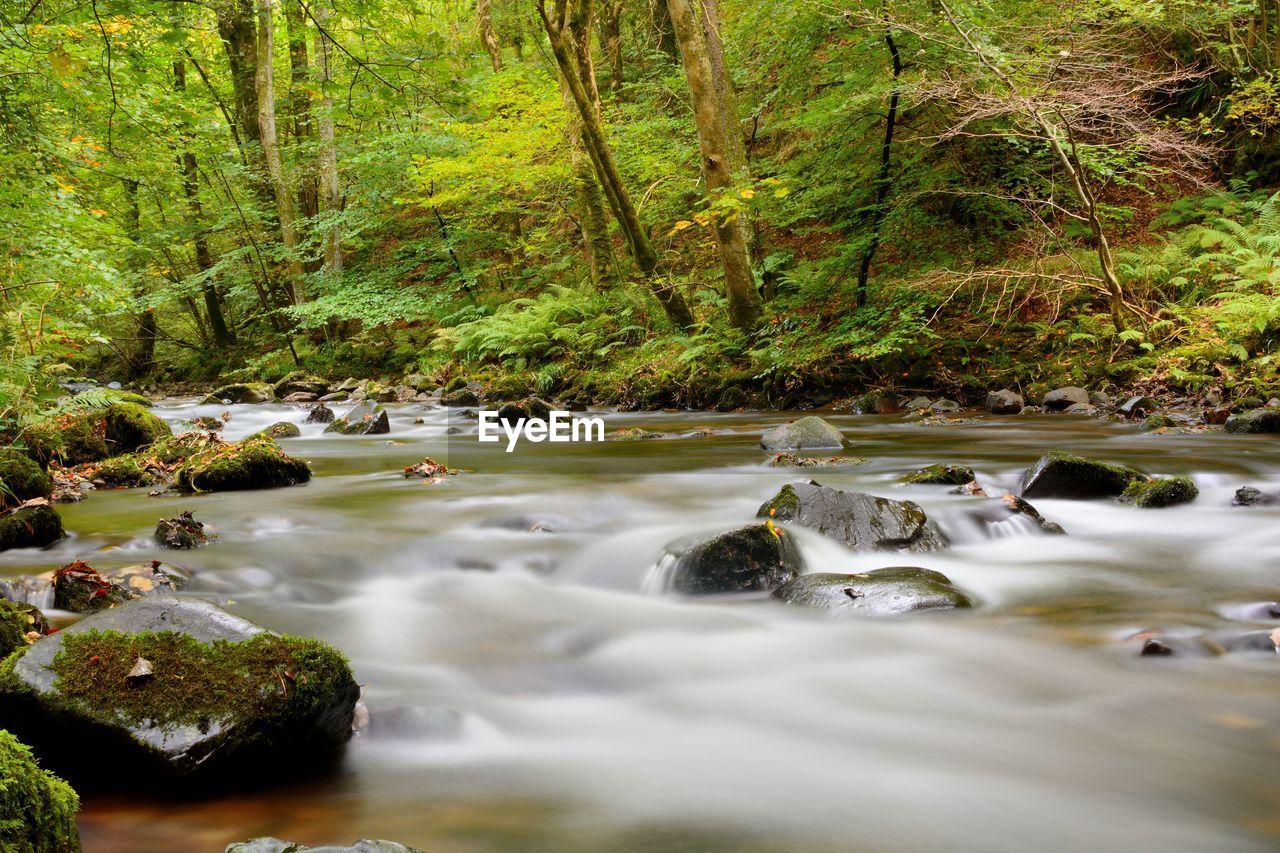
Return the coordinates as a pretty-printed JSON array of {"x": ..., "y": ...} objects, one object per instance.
[
  {"x": 884, "y": 182},
  {"x": 330, "y": 186},
  {"x": 611, "y": 40},
  {"x": 143, "y": 357},
  {"x": 239, "y": 40},
  {"x": 745, "y": 305},
  {"x": 595, "y": 227},
  {"x": 488, "y": 38},
  {"x": 664, "y": 34},
  {"x": 265, "y": 84},
  {"x": 565, "y": 53},
  {"x": 300, "y": 103},
  {"x": 204, "y": 258}
]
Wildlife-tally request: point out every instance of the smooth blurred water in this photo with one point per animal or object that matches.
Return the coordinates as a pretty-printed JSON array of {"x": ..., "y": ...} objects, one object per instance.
[{"x": 530, "y": 690}]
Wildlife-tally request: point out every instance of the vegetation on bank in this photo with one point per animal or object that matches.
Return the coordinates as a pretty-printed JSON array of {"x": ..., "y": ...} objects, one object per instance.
[{"x": 653, "y": 202}]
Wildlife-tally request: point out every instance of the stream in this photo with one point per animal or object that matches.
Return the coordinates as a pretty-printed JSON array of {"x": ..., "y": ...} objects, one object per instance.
[{"x": 532, "y": 688}]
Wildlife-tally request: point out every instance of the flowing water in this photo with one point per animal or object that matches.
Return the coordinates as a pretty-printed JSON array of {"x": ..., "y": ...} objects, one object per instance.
[{"x": 532, "y": 689}]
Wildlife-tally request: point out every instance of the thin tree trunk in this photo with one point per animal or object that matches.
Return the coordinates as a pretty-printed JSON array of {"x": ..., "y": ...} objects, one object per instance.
[
  {"x": 143, "y": 357},
  {"x": 745, "y": 305},
  {"x": 239, "y": 40},
  {"x": 204, "y": 258},
  {"x": 595, "y": 227},
  {"x": 488, "y": 38},
  {"x": 611, "y": 40},
  {"x": 330, "y": 185},
  {"x": 557, "y": 27},
  {"x": 300, "y": 104},
  {"x": 664, "y": 33},
  {"x": 265, "y": 83},
  {"x": 884, "y": 182}
]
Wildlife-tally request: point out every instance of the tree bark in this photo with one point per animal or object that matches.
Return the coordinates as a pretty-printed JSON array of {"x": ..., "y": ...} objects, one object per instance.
[
  {"x": 488, "y": 38},
  {"x": 745, "y": 305},
  {"x": 143, "y": 357},
  {"x": 265, "y": 84},
  {"x": 330, "y": 185},
  {"x": 300, "y": 103},
  {"x": 611, "y": 40},
  {"x": 884, "y": 182},
  {"x": 664, "y": 34},
  {"x": 591, "y": 204},
  {"x": 556, "y": 22},
  {"x": 204, "y": 258}
]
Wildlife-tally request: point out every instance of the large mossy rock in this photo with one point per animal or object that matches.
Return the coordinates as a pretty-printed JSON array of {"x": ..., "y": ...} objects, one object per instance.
[
  {"x": 1065, "y": 475},
  {"x": 166, "y": 689},
  {"x": 255, "y": 463},
  {"x": 129, "y": 427},
  {"x": 362, "y": 419},
  {"x": 1258, "y": 420},
  {"x": 301, "y": 382},
  {"x": 21, "y": 478},
  {"x": 757, "y": 558},
  {"x": 70, "y": 439},
  {"x": 179, "y": 448},
  {"x": 30, "y": 527},
  {"x": 241, "y": 392},
  {"x": 811, "y": 433},
  {"x": 883, "y": 592},
  {"x": 940, "y": 475},
  {"x": 20, "y": 624},
  {"x": 275, "y": 845},
  {"x": 1158, "y": 494},
  {"x": 37, "y": 809},
  {"x": 856, "y": 520}
]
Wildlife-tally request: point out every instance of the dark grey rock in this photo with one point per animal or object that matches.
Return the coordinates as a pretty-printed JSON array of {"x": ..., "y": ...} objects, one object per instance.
[
  {"x": 1249, "y": 496},
  {"x": 1005, "y": 402},
  {"x": 362, "y": 419},
  {"x": 275, "y": 845},
  {"x": 1256, "y": 421},
  {"x": 810, "y": 433},
  {"x": 883, "y": 592},
  {"x": 320, "y": 414},
  {"x": 1138, "y": 406},
  {"x": 1060, "y": 398},
  {"x": 856, "y": 520},
  {"x": 1158, "y": 494},
  {"x": 755, "y": 558},
  {"x": 1066, "y": 475}
]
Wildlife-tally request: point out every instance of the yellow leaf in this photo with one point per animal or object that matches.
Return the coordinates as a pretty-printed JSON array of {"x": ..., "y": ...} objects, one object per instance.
[
  {"x": 682, "y": 224},
  {"x": 96, "y": 212},
  {"x": 781, "y": 192},
  {"x": 748, "y": 193}
]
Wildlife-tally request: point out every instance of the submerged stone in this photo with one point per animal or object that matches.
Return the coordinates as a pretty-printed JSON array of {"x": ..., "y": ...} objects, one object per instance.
[
  {"x": 255, "y": 463},
  {"x": 224, "y": 700},
  {"x": 810, "y": 433},
  {"x": 1157, "y": 494},
  {"x": 362, "y": 419},
  {"x": 1066, "y": 475},
  {"x": 37, "y": 809},
  {"x": 634, "y": 434},
  {"x": 788, "y": 459},
  {"x": 758, "y": 558},
  {"x": 940, "y": 475},
  {"x": 883, "y": 592},
  {"x": 856, "y": 520}
]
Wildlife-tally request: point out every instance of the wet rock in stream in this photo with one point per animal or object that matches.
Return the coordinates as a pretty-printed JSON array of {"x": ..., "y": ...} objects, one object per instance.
[
  {"x": 275, "y": 845},
  {"x": 320, "y": 414},
  {"x": 362, "y": 419},
  {"x": 181, "y": 532},
  {"x": 858, "y": 521},
  {"x": 1264, "y": 420},
  {"x": 757, "y": 558},
  {"x": 1004, "y": 402},
  {"x": 1158, "y": 494},
  {"x": 882, "y": 592},
  {"x": 940, "y": 475},
  {"x": 809, "y": 433},
  {"x": 1062, "y": 398},
  {"x": 255, "y": 463},
  {"x": 1250, "y": 496},
  {"x": 1065, "y": 475},
  {"x": 225, "y": 701},
  {"x": 243, "y": 392}
]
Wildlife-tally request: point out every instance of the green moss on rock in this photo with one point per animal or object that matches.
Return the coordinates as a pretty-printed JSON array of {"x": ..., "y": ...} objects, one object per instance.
[
  {"x": 37, "y": 809},
  {"x": 71, "y": 439},
  {"x": 282, "y": 429},
  {"x": 255, "y": 463},
  {"x": 123, "y": 472},
  {"x": 178, "y": 448},
  {"x": 130, "y": 427},
  {"x": 940, "y": 475},
  {"x": 1058, "y": 474},
  {"x": 21, "y": 478},
  {"x": 1158, "y": 494},
  {"x": 1256, "y": 421},
  {"x": 17, "y": 620},
  {"x": 30, "y": 527}
]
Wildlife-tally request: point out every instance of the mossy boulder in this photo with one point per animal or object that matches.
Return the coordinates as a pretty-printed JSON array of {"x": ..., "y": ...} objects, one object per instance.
[
  {"x": 1065, "y": 475},
  {"x": 20, "y": 625},
  {"x": 240, "y": 392},
  {"x": 30, "y": 527},
  {"x": 1158, "y": 494},
  {"x": 1256, "y": 421},
  {"x": 80, "y": 588},
  {"x": 123, "y": 472},
  {"x": 362, "y": 419},
  {"x": 275, "y": 845},
  {"x": 21, "y": 478},
  {"x": 132, "y": 397},
  {"x": 179, "y": 448},
  {"x": 37, "y": 809},
  {"x": 282, "y": 429},
  {"x": 181, "y": 533},
  {"x": 759, "y": 558},
  {"x": 70, "y": 439},
  {"x": 301, "y": 382},
  {"x": 255, "y": 463},
  {"x": 1154, "y": 422},
  {"x": 858, "y": 521},
  {"x": 170, "y": 690},
  {"x": 634, "y": 434},
  {"x": 883, "y": 592},
  {"x": 129, "y": 427},
  {"x": 810, "y": 433},
  {"x": 940, "y": 475}
]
